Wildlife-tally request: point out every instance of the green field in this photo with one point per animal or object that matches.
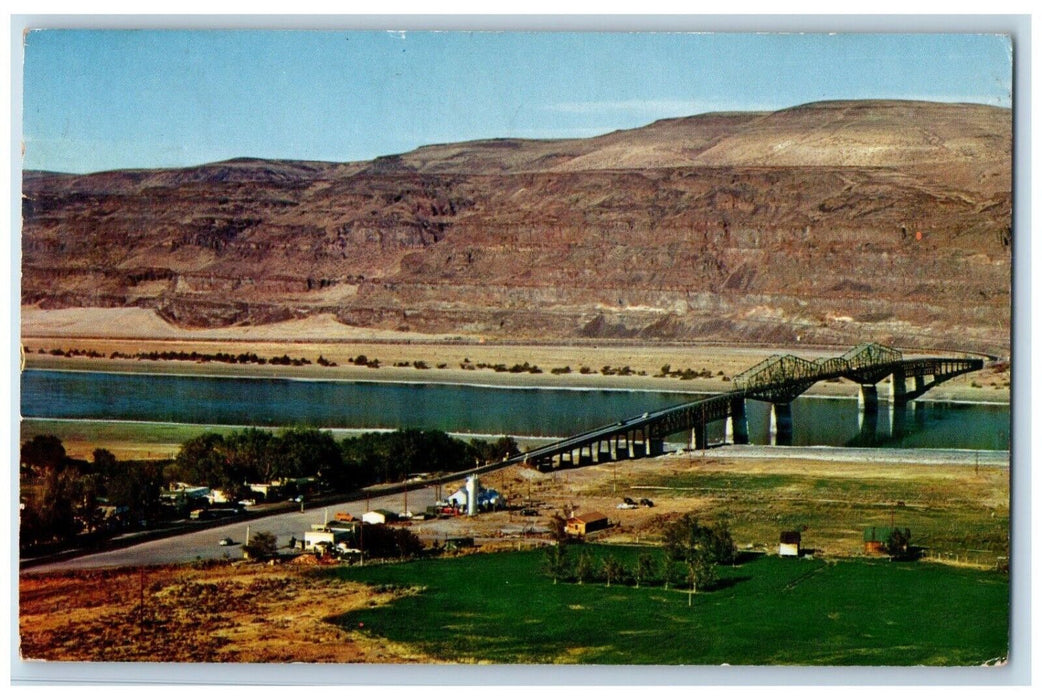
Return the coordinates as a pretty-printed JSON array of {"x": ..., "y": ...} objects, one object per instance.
[
  {"x": 954, "y": 512},
  {"x": 500, "y": 608}
]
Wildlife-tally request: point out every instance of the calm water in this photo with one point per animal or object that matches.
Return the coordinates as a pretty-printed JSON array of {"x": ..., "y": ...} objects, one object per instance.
[{"x": 471, "y": 409}]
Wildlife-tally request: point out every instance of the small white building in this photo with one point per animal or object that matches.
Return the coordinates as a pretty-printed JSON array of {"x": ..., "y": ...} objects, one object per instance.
[
  {"x": 789, "y": 544},
  {"x": 481, "y": 498},
  {"x": 316, "y": 540},
  {"x": 379, "y": 517}
]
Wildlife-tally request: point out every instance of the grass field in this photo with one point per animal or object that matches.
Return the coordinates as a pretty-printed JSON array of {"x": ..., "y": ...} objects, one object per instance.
[
  {"x": 957, "y": 513},
  {"x": 500, "y": 608}
]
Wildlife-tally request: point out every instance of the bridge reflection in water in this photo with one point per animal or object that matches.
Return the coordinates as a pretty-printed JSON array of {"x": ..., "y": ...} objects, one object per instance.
[{"x": 777, "y": 380}]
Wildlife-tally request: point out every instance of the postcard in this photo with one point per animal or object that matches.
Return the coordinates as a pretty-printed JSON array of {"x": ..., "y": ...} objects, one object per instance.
[{"x": 649, "y": 349}]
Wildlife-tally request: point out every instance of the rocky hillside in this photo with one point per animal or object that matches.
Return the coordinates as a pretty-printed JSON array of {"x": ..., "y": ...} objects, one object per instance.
[{"x": 829, "y": 222}]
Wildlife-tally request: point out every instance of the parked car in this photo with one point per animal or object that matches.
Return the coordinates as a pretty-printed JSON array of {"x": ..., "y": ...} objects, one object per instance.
[
  {"x": 626, "y": 506},
  {"x": 647, "y": 502},
  {"x": 628, "y": 501},
  {"x": 226, "y": 542}
]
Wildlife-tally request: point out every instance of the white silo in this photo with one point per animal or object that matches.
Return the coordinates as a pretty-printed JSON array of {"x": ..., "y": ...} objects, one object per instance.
[{"x": 472, "y": 494}]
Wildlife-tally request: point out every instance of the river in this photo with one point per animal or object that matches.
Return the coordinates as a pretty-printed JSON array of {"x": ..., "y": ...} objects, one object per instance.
[{"x": 529, "y": 412}]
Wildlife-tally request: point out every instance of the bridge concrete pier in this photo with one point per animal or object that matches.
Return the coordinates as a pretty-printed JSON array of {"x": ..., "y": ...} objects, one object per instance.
[
  {"x": 621, "y": 451},
  {"x": 781, "y": 423},
  {"x": 868, "y": 398},
  {"x": 645, "y": 439},
  {"x": 868, "y": 425},
  {"x": 899, "y": 418},
  {"x": 566, "y": 460},
  {"x": 736, "y": 428},
  {"x": 868, "y": 412},
  {"x": 699, "y": 437},
  {"x": 899, "y": 386}
]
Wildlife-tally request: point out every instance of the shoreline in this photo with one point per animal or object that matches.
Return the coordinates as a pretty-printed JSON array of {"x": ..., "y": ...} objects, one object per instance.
[
  {"x": 506, "y": 384},
  {"x": 958, "y": 390}
]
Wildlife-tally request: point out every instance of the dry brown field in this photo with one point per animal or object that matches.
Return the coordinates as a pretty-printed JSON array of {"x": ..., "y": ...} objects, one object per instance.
[{"x": 262, "y": 613}]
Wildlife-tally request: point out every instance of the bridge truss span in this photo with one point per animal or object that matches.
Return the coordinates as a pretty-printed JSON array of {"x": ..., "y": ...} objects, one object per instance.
[{"x": 778, "y": 380}]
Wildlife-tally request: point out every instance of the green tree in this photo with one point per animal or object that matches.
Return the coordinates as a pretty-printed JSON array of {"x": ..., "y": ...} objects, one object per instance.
[
  {"x": 136, "y": 486},
  {"x": 384, "y": 457},
  {"x": 104, "y": 462},
  {"x": 556, "y": 524},
  {"x": 699, "y": 548},
  {"x": 898, "y": 542},
  {"x": 645, "y": 568},
  {"x": 673, "y": 573},
  {"x": 203, "y": 460},
  {"x": 496, "y": 451},
  {"x": 252, "y": 456},
  {"x": 303, "y": 452},
  {"x": 583, "y": 566},
  {"x": 556, "y": 561},
  {"x": 42, "y": 452},
  {"x": 87, "y": 491},
  {"x": 701, "y": 573},
  {"x": 384, "y": 541},
  {"x": 263, "y": 545},
  {"x": 686, "y": 536},
  {"x": 48, "y": 511},
  {"x": 612, "y": 569}
]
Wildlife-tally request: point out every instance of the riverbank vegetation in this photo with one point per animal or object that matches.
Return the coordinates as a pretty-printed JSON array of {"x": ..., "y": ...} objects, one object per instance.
[{"x": 66, "y": 501}]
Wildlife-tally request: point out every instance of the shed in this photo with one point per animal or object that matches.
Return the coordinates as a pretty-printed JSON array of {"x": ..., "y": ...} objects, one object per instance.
[
  {"x": 789, "y": 543},
  {"x": 316, "y": 540},
  {"x": 877, "y": 539},
  {"x": 585, "y": 523},
  {"x": 379, "y": 517}
]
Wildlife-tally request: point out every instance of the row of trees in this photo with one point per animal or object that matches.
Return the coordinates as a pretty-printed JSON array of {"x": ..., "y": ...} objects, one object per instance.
[
  {"x": 62, "y": 497},
  {"x": 243, "y": 358},
  {"x": 692, "y": 552},
  {"x": 229, "y": 462}
]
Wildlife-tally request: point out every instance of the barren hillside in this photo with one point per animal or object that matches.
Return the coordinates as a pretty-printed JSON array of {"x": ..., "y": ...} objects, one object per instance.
[{"x": 830, "y": 222}]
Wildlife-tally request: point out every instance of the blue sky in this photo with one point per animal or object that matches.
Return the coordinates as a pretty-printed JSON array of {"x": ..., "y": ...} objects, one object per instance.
[{"x": 104, "y": 99}]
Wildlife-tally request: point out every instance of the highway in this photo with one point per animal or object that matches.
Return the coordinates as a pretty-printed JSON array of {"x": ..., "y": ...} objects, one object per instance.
[{"x": 204, "y": 544}]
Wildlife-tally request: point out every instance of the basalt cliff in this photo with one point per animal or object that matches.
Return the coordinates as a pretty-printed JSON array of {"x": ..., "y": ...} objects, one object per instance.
[{"x": 832, "y": 222}]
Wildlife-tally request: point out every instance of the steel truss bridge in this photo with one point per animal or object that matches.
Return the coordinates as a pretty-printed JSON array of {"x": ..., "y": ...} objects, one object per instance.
[{"x": 777, "y": 380}]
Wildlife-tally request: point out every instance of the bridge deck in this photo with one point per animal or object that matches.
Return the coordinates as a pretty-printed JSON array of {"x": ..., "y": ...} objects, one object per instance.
[{"x": 778, "y": 379}]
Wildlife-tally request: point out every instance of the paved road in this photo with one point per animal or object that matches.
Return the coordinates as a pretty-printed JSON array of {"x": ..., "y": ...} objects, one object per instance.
[
  {"x": 991, "y": 458},
  {"x": 204, "y": 543}
]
